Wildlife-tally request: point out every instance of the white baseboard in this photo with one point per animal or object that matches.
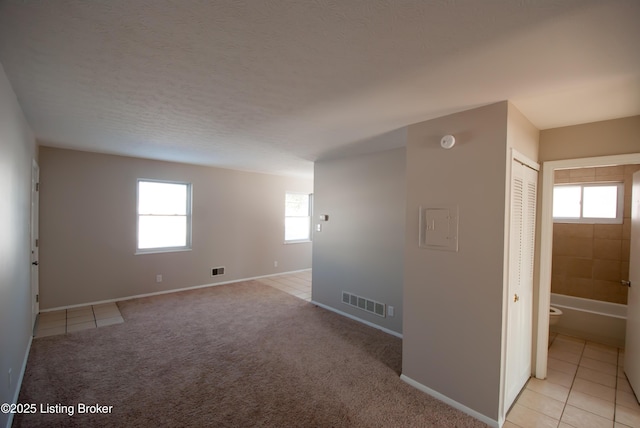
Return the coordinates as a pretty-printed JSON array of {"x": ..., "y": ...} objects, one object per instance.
[
  {"x": 487, "y": 420},
  {"x": 19, "y": 383},
  {"x": 370, "y": 324},
  {"x": 174, "y": 290}
]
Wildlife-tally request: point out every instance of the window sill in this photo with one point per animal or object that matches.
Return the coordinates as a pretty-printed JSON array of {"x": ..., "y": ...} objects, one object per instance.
[
  {"x": 161, "y": 250},
  {"x": 301, "y": 241},
  {"x": 589, "y": 221}
]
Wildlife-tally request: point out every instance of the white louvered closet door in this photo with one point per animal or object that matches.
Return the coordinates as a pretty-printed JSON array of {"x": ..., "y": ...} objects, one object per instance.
[{"x": 524, "y": 183}]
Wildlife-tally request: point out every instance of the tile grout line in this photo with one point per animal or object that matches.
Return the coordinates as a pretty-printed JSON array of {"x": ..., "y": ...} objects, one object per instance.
[
  {"x": 565, "y": 403},
  {"x": 615, "y": 394},
  {"x": 575, "y": 375}
]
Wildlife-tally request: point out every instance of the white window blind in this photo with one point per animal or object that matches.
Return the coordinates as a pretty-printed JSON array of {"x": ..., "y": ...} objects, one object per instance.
[
  {"x": 164, "y": 216},
  {"x": 297, "y": 221}
]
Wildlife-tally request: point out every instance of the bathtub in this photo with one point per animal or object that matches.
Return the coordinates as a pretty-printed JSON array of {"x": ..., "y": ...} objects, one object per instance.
[{"x": 593, "y": 320}]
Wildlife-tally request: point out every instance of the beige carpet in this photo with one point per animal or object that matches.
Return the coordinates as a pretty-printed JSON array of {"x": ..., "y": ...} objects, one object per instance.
[{"x": 237, "y": 355}]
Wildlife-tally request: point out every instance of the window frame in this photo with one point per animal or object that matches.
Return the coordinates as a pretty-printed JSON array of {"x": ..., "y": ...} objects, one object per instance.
[
  {"x": 188, "y": 215},
  {"x": 594, "y": 220},
  {"x": 309, "y": 216}
]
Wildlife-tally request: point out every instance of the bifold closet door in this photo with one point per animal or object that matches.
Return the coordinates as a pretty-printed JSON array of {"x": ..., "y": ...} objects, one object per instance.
[{"x": 524, "y": 183}]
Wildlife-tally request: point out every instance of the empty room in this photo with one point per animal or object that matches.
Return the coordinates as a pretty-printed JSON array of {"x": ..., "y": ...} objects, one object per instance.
[{"x": 364, "y": 213}]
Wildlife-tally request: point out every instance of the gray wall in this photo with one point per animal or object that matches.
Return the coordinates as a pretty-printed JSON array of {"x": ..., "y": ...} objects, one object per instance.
[
  {"x": 88, "y": 227},
  {"x": 453, "y": 301},
  {"x": 360, "y": 248},
  {"x": 17, "y": 149}
]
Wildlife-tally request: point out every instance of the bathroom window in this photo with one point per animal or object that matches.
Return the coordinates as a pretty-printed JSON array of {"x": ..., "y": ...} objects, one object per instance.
[
  {"x": 588, "y": 203},
  {"x": 164, "y": 216}
]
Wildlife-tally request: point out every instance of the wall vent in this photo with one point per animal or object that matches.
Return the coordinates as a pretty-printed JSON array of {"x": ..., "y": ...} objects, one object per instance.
[
  {"x": 217, "y": 271},
  {"x": 365, "y": 304}
]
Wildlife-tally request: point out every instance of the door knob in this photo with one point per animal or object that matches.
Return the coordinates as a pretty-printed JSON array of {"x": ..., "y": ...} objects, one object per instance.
[
  {"x": 626, "y": 283},
  {"x": 35, "y": 263},
  {"x": 515, "y": 298}
]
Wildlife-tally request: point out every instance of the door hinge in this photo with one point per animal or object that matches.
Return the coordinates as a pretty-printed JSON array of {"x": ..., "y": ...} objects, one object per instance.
[
  {"x": 37, "y": 298},
  {"x": 37, "y": 187},
  {"x": 37, "y": 242}
]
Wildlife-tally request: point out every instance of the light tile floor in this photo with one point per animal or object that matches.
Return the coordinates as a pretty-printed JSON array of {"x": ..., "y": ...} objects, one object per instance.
[
  {"x": 77, "y": 319},
  {"x": 297, "y": 283},
  {"x": 585, "y": 387}
]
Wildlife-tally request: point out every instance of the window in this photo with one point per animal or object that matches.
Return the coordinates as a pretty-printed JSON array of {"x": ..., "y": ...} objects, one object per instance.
[
  {"x": 588, "y": 203},
  {"x": 164, "y": 216},
  {"x": 297, "y": 220}
]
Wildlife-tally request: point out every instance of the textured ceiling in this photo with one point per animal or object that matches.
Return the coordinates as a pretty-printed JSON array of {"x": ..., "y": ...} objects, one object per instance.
[{"x": 271, "y": 86}]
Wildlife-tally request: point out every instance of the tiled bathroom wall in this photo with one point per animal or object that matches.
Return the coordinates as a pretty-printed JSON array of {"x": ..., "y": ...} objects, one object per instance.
[{"x": 589, "y": 260}]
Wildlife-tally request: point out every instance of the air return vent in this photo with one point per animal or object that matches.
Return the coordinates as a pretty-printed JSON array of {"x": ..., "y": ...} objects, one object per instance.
[
  {"x": 365, "y": 304},
  {"x": 217, "y": 271}
]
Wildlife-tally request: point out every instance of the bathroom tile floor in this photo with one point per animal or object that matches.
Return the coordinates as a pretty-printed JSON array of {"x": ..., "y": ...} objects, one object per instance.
[
  {"x": 77, "y": 319},
  {"x": 585, "y": 387},
  {"x": 297, "y": 283}
]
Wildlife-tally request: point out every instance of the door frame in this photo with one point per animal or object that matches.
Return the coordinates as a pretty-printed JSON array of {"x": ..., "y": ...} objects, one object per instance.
[
  {"x": 33, "y": 246},
  {"x": 546, "y": 244},
  {"x": 631, "y": 363}
]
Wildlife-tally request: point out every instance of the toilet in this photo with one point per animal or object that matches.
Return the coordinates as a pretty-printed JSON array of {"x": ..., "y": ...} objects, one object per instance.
[{"x": 554, "y": 315}]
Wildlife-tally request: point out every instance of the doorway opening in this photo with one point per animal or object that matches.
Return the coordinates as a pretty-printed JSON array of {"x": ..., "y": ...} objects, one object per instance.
[{"x": 546, "y": 244}]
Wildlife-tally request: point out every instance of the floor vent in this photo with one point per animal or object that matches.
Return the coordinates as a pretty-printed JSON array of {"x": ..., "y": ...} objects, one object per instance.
[
  {"x": 367, "y": 305},
  {"x": 217, "y": 271}
]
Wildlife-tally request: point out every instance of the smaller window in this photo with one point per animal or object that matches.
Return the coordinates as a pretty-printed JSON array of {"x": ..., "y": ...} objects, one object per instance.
[
  {"x": 297, "y": 220},
  {"x": 588, "y": 203},
  {"x": 164, "y": 216}
]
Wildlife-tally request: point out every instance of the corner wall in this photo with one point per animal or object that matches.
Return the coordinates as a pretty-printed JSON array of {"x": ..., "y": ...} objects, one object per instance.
[
  {"x": 88, "y": 227},
  {"x": 360, "y": 249},
  {"x": 17, "y": 150},
  {"x": 453, "y": 301}
]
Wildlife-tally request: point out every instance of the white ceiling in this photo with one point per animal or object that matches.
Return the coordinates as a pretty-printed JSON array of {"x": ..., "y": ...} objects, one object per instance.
[{"x": 271, "y": 86}]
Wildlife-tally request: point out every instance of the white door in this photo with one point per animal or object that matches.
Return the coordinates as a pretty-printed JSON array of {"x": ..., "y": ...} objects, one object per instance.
[
  {"x": 524, "y": 182},
  {"x": 632, "y": 343},
  {"x": 35, "y": 288}
]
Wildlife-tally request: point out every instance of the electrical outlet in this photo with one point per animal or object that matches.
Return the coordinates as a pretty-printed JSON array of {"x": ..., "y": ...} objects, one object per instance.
[
  {"x": 390, "y": 311},
  {"x": 275, "y": 263},
  {"x": 9, "y": 376},
  {"x": 158, "y": 278}
]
